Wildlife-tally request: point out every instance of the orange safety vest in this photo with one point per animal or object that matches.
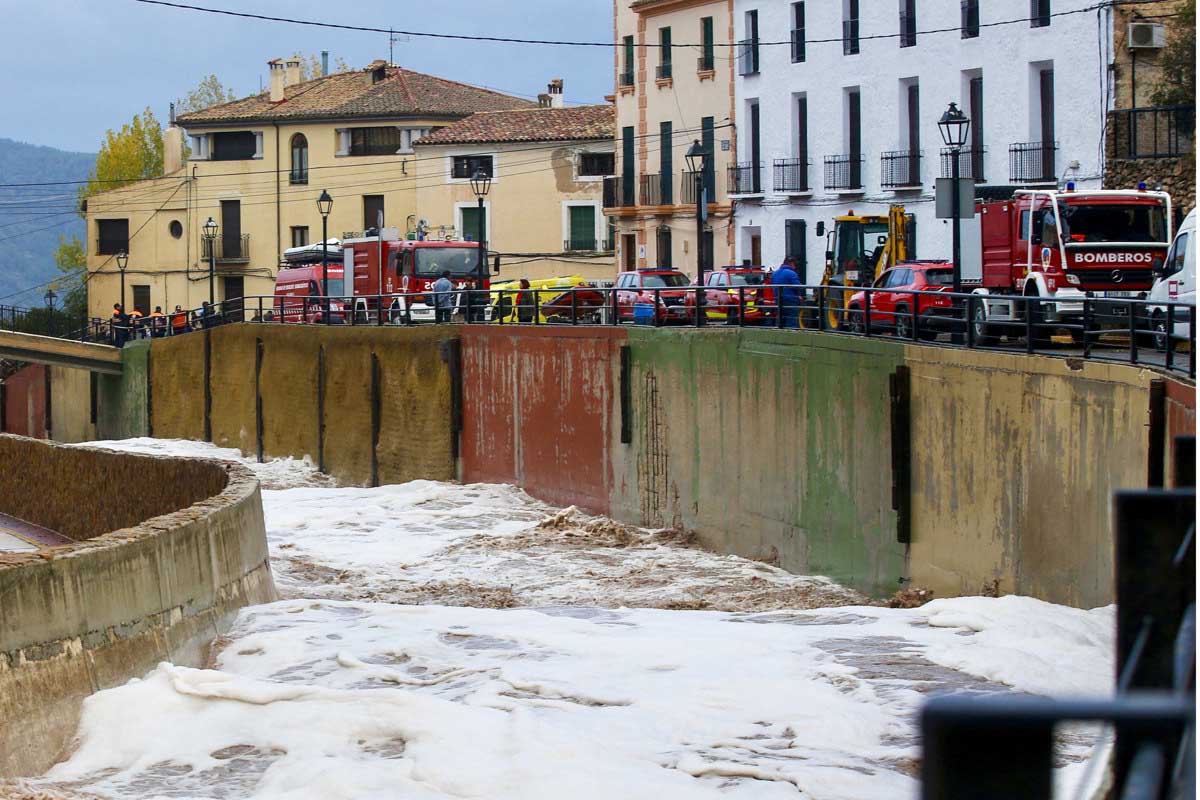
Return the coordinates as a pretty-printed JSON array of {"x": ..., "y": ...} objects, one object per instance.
[{"x": 179, "y": 320}]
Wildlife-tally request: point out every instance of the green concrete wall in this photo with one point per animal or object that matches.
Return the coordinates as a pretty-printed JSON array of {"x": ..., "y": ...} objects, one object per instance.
[
  {"x": 123, "y": 401},
  {"x": 770, "y": 445}
]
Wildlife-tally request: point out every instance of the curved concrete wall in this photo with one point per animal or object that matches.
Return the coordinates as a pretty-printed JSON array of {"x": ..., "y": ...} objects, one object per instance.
[{"x": 167, "y": 551}]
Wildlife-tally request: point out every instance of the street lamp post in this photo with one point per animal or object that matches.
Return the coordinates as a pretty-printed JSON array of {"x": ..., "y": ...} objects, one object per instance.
[
  {"x": 481, "y": 183},
  {"x": 697, "y": 161},
  {"x": 954, "y": 126},
  {"x": 325, "y": 205},
  {"x": 122, "y": 262},
  {"x": 210, "y": 236},
  {"x": 50, "y": 298}
]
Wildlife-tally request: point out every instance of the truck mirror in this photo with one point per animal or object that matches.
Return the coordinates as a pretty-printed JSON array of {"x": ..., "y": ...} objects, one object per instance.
[
  {"x": 1157, "y": 268},
  {"x": 821, "y": 228},
  {"x": 496, "y": 265}
]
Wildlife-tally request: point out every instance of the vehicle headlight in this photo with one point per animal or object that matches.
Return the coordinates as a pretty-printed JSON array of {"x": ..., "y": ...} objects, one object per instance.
[{"x": 1073, "y": 279}]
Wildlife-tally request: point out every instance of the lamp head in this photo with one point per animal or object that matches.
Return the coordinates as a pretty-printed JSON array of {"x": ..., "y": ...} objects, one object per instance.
[
  {"x": 123, "y": 258},
  {"x": 210, "y": 228},
  {"x": 954, "y": 126},
  {"x": 481, "y": 183},
  {"x": 324, "y": 203}
]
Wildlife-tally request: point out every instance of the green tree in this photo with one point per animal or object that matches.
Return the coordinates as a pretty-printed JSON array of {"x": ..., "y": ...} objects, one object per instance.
[
  {"x": 71, "y": 286},
  {"x": 209, "y": 92},
  {"x": 310, "y": 65},
  {"x": 1178, "y": 84},
  {"x": 131, "y": 154}
]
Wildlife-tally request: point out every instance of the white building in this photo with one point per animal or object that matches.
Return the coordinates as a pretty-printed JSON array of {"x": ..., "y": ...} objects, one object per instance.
[{"x": 837, "y": 120}]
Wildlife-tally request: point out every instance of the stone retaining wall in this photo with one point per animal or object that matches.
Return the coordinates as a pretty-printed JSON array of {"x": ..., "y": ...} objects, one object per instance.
[{"x": 160, "y": 571}]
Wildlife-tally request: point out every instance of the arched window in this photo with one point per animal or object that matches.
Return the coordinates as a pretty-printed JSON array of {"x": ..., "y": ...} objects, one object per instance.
[{"x": 299, "y": 159}]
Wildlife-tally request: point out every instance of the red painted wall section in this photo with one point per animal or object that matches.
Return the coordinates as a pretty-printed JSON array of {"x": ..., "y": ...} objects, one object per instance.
[
  {"x": 539, "y": 410},
  {"x": 25, "y": 402},
  {"x": 1181, "y": 417}
]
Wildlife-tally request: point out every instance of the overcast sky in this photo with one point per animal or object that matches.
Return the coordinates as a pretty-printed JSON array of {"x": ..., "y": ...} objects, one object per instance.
[{"x": 71, "y": 69}]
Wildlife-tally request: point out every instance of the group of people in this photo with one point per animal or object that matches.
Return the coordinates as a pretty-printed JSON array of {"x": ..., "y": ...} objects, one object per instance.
[{"x": 125, "y": 327}]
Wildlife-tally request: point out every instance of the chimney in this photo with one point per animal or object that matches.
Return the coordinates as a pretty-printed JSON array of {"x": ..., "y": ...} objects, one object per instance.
[
  {"x": 172, "y": 147},
  {"x": 324, "y": 63},
  {"x": 544, "y": 101},
  {"x": 276, "y": 67},
  {"x": 291, "y": 73},
  {"x": 556, "y": 93},
  {"x": 376, "y": 71}
]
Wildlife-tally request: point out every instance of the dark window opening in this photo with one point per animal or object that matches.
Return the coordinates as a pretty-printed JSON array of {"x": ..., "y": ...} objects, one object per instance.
[
  {"x": 1039, "y": 13},
  {"x": 112, "y": 236},
  {"x": 627, "y": 66},
  {"x": 908, "y": 23},
  {"x": 597, "y": 165},
  {"x": 299, "y": 173},
  {"x": 299, "y": 236},
  {"x": 372, "y": 211},
  {"x": 175, "y": 227},
  {"x": 465, "y": 166},
  {"x": 970, "y": 19},
  {"x": 663, "y": 246},
  {"x": 707, "y": 54},
  {"x": 799, "y": 43},
  {"x": 238, "y": 146},
  {"x": 850, "y": 28},
  {"x": 382, "y": 141},
  {"x": 664, "y": 53},
  {"x": 141, "y": 298}
]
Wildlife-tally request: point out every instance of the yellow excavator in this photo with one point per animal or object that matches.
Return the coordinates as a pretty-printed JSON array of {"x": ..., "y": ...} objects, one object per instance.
[{"x": 857, "y": 249}]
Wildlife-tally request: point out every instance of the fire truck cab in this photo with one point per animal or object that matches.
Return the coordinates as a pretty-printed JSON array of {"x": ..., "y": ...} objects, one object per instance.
[
  {"x": 301, "y": 284},
  {"x": 1063, "y": 247},
  {"x": 397, "y": 275}
]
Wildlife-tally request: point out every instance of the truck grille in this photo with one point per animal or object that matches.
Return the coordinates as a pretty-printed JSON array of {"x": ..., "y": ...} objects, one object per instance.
[
  {"x": 672, "y": 300},
  {"x": 1129, "y": 277}
]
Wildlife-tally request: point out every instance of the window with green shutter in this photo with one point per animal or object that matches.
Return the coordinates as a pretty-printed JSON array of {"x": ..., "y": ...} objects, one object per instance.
[
  {"x": 582, "y": 222},
  {"x": 707, "y": 57},
  {"x": 473, "y": 221}
]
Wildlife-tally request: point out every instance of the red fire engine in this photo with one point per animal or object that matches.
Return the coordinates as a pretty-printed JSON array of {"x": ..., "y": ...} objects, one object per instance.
[
  {"x": 398, "y": 275},
  {"x": 1063, "y": 246}
]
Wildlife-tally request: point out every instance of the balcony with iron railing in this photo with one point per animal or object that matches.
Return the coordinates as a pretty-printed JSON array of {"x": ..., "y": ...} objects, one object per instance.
[
  {"x": 1032, "y": 162},
  {"x": 849, "y": 37},
  {"x": 843, "y": 173},
  {"x": 970, "y": 19},
  {"x": 1152, "y": 132},
  {"x": 706, "y": 63},
  {"x": 298, "y": 177},
  {"x": 900, "y": 169},
  {"x": 970, "y": 163},
  {"x": 581, "y": 244},
  {"x": 663, "y": 71},
  {"x": 791, "y": 175},
  {"x": 625, "y": 79},
  {"x": 799, "y": 45},
  {"x": 650, "y": 190},
  {"x": 748, "y": 57},
  {"x": 745, "y": 178},
  {"x": 229, "y": 249},
  {"x": 618, "y": 193},
  {"x": 687, "y": 187},
  {"x": 908, "y": 29}
]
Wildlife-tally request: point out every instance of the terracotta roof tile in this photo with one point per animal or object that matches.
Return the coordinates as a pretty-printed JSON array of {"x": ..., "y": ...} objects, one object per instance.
[
  {"x": 350, "y": 95},
  {"x": 528, "y": 125}
]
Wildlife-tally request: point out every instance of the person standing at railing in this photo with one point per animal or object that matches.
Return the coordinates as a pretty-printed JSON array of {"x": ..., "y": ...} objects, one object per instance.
[
  {"x": 158, "y": 323},
  {"x": 179, "y": 321},
  {"x": 787, "y": 292},
  {"x": 204, "y": 315},
  {"x": 443, "y": 298},
  {"x": 525, "y": 309},
  {"x": 119, "y": 326}
]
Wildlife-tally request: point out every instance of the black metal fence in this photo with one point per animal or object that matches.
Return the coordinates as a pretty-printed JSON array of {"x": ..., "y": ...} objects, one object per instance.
[
  {"x": 791, "y": 174},
  {"x": 1152, "y": 132},
  {"x": 970, "y": 162},
  {"x": 1003, "y": 746},
  {"x": 650, "y": 189},
  {"x": 900, "y": 168},
  {"x": 843, "y": 172},
  {"x": 745, "y": 178},
  {"x": 1032, "y": 162},
  {"x": 228, "y": 248}
]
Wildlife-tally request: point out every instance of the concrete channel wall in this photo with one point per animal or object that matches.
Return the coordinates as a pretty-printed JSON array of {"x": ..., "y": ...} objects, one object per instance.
[{"x": 154, "y": 577}]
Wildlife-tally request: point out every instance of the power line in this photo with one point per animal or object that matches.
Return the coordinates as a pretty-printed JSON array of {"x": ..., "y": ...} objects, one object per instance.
[{"x": 608, "y": 44}]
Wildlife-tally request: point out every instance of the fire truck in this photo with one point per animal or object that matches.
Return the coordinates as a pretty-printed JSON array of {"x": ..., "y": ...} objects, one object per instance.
[
  {"x": 302, "y": 283},
  {"x": 1062, "y": 247},
  {"x": 395, "y": 276}
]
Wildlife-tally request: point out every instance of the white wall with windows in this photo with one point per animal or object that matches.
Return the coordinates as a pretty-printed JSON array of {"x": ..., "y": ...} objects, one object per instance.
[{"x": 863, "y": 113}]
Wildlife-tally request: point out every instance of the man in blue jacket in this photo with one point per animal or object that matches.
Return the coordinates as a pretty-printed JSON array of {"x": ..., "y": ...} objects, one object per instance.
[{"x": 788, "y": 292}]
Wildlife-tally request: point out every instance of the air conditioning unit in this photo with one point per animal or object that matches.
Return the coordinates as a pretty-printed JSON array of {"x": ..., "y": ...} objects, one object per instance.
[{"x": 1146, "y": 36}]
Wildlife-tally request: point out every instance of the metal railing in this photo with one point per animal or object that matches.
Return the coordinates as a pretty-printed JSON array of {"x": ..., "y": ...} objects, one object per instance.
[
  {"x": 650, "y": 189},
  {"x": 618, "y": 193},
  {"x": 625, "y": 79},
  {"x": 791, "y": 175},
  {"x": 748, "y": 57},
  {"x": 298, "y": 177},
  {"x": 706, "y": 63},
  {"x": 1002, "y": 746},
  {"x": 1032, "y": 162},
  {"x": 970, "y": 163},
  {"x": 849, "y": 37},
  {"x": 1152, "y": 132},
  {"x": 229, "y": 249},
  {"x": 1133, "y": 331},
  {"x": 843, "y": 172},
  {"x": 900, "y": 169},
  {"x": 663, "y": 71},
  {"x": 687, "y": 187},
  {"x": 745, "y": 178},
  {"x": 799, "y": 46},
  {"x": 970, "y": 19}
]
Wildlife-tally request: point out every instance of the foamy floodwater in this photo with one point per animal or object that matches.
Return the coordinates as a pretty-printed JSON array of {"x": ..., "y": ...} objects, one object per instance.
[{"x": 468, "y": 641}]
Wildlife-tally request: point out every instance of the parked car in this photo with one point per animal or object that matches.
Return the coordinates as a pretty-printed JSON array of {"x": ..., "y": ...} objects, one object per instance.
[
  {"x": 663, "y": 291},
  {"x": 726, "y": 288},
  {"x": 892, "y": 302},
  {"x": 1175, "y": 282},
  {"x": 511, "y": 303}
]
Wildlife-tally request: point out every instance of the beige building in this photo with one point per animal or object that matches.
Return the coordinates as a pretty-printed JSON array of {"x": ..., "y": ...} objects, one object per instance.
[
  {"x": 668, "y": 96},
  {"x": 256, "y": 166},
  {"x": 543, "y": 213}
]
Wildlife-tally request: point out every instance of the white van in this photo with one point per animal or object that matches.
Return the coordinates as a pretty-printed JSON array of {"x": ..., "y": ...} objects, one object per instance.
[{"x": 1176, "y": 283}]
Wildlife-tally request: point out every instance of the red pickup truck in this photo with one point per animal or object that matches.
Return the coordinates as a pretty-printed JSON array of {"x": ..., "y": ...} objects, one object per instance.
[
  {"x": 892, "y": 302},
  {"x": 665, "y": 290},
  {"x": 725, "y": 289}
]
